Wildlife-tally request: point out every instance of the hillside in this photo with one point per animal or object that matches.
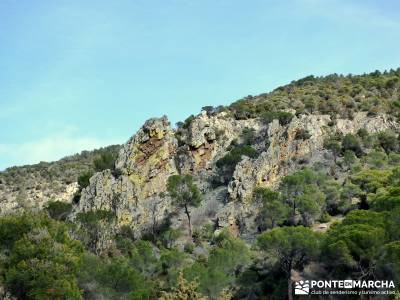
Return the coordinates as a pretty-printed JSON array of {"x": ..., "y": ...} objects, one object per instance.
[
  {"x": 34, "y": 185},
  {"x": 233, "y": 203}
]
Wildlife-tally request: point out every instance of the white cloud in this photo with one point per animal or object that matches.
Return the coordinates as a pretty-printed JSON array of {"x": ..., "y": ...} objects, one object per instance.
[{"x": 48, "y": 148}]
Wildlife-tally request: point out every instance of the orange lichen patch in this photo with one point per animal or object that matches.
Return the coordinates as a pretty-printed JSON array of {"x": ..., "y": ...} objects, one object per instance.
[
  {"x": 161, "y": 164},
  {"x": 150, "y": 146},
  {"x": 202, "y": 155},
  {"x": 140, "y": 159},
  {"x": 147, "y": 149},
  {"x": 233, "y": 227}
]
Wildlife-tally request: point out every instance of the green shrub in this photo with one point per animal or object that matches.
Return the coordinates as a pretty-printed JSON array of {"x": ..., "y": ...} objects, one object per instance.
[
  {"x": 228, "y": 255},
  {"x": 248, "y": 136},
  {"x": 105, "y": 161},
  {"x": 235, "y": 155},
  {"x": 273, "y": 210},
  {"x": 394, "y": 158},
  {"x": 188, "y": 248},
  {"x": 388, "y": 141},
  {"x": 169, "y": 236},
  {"x": 362, "y": 133},
  {"x": 350, "y": 142},
  {"x": 227, "y": 164},
  {"x": 172, "y": 259},
  {"x": 59, "y": 210},
  {"x": 113, "y": 279},
  {"x": 325, "y": 218},
  {"x": 94, "y": 216},
  {"x": 83, "y": 179},
  {"x": 243, "y": 109},
  {"x": 377, "y": 159},
  {"x": 302, "y": 134},
  {"x": 39, "y": 258},
  {"x": 283, "y": 117},
  {"x": 334, "y": 147},
  {"x": 188, "y": 121},
  {"x": 184, "y": 193}
]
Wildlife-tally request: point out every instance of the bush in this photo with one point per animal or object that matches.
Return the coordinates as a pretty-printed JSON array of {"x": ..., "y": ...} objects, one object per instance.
[
  {"x": 229, "y": 255},
  {"x": 235, "y": 155},
  {"x": 394, "y": 158},
  {"x": 243, "y": 109},
  {"x": 248, "y": 136},
  {"x": 227, "y": 164},
  {"x": 302, "y": 134},
  {"x": 189, "y": 247},
  {"x": 169, "y": 236},
  {"x": 377, "y": 159},
  {"x": 334, "y": 146},
  {"x": 388, "y": 141},
  {"x": 105, "y": 161},
  {"x": 283, "y": 117},
  {"x": 273, "y": 211},
  {"x": 188, "y": 121},
  {"x": 83, "y": 179},
  {"x": 172, "y": 259},
  {"x": 59, "y": 210},
  {"x": 325, "y": 218},
  {"x": 350, "y": 142},
  {"x": 39, "y": 260},
  {"x": 113, "y": 279},
  {"x": 362, "y": 133},
  {"x": 94, "y": 216}
]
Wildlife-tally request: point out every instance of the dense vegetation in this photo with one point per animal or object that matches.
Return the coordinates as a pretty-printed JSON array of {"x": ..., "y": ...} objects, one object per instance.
[
  {"x": 340, "y": 223},
  {"x": 59, "y": 173},
  {"x": 334, "y": 94},
  {"x": 365, "y": 244}
]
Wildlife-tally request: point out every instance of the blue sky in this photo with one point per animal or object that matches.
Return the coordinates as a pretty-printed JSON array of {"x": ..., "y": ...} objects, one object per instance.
[{"x": 77, "y": 75}]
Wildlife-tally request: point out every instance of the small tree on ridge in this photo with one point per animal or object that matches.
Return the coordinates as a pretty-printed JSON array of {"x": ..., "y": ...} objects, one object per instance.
[{"x": 184, "y": 193}]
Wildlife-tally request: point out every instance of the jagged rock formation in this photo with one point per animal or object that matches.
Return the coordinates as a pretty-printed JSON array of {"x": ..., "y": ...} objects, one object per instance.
[
  {"x": 142, "y": 169},
  {"x": 286, "y": 153},
  {"x": 147, "y": 158},
  {"x": 206, "y": 140},
  {"x": 325, "y": 152},
  {"x": 135, "y": 191}
]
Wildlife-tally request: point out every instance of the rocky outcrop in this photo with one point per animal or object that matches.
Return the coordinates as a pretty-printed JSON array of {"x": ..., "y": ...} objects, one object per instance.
[
  {"x": 362, "y": 121},
  {"x": 135, "y": 190},
  {"x": 148, "y": 158},
  {"x": 13, "y": 199},
  {"x": 207, "y": 139},
  {"x": 287, "y": 152},
  {"x": 143, "y": 166},
  {"x": 284, "y": 154}
]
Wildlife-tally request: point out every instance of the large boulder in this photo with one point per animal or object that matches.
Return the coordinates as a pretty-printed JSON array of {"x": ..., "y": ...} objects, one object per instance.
[{"x": 142, "y": 169}]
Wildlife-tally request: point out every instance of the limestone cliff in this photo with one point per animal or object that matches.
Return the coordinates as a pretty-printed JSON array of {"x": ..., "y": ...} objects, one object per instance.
[
  {"x": 287, "y": 153},
  {"x": 135, "y": 191}
]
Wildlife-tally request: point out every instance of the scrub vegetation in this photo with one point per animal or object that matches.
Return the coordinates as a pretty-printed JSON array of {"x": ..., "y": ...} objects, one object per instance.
[{"x": 49, "y": 255}]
